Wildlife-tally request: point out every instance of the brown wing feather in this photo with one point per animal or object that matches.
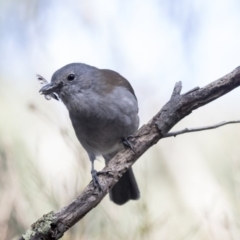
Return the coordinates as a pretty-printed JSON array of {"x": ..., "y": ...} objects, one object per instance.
[{"x": 116, "y": 80}]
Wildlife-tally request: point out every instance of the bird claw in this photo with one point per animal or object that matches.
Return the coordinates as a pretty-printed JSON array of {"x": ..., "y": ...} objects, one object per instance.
[
  {"x": 95, "y": 179},
  {"x": 108, "y": 172},
  {"x": 127, "y": 143}
]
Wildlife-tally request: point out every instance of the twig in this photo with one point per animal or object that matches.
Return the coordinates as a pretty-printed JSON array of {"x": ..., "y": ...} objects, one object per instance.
[
  {"x": 188, "y": 130},
  {"x": 53, "y": 225}
]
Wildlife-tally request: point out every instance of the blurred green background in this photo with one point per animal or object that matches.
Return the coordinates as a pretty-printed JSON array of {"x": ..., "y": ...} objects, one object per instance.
[{"x": 190, "y": 185}]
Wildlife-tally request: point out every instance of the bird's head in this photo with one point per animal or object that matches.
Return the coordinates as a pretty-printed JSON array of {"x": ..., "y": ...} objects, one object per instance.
[
  {"x": 71, "y": 80},
  {"x": 80, "y": 84}
]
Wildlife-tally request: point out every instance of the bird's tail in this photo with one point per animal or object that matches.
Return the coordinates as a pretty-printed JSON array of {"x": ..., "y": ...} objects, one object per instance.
[{"x": 126, "y": 188}]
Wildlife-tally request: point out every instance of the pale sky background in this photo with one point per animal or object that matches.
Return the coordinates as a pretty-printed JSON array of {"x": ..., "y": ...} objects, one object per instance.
[{"x": 151, "y": 43}]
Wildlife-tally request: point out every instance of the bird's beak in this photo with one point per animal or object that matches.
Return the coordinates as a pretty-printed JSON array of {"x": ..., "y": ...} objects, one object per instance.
[{"x": 51, "y": 88}]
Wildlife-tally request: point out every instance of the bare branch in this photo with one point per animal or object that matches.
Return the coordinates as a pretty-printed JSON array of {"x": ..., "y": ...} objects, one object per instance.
[
  {"x": 177, "y": 89},
  {"x": 188, "y": 130},
  {"x": 53, "y": 225}
]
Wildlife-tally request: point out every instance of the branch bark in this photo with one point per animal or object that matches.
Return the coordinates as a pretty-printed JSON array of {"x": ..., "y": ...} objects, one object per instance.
[{"x": 53, "y": 225}]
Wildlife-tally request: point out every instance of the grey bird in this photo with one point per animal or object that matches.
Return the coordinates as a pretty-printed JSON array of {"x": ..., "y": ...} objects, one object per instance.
[{"x": 103, "y": 109}]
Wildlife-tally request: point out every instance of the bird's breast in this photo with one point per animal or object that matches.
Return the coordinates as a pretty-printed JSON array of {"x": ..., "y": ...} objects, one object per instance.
[{"x": 100, "y": 123}]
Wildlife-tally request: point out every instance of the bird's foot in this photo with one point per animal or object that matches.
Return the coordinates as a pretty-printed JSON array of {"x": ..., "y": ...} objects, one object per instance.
[
  {"x": 108, "y": 172},
  {"x": 126, "y": 142},
  {"x": 96, "y": 180}
]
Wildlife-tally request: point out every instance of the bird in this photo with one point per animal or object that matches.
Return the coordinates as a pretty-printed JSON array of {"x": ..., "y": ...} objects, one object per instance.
[{"x": 103, "y": 109}]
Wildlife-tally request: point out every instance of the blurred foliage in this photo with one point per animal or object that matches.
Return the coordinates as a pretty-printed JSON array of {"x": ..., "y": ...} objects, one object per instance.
[{"x": 189, "y": 185}]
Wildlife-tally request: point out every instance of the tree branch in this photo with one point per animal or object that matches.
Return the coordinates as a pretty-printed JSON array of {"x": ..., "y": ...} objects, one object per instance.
[
  {"x": 188, "y": 130},
  {"x": 53, "y": 225}
]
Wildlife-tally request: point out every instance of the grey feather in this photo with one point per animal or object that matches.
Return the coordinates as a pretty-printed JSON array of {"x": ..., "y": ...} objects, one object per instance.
[{"x": 103, "y": 109}]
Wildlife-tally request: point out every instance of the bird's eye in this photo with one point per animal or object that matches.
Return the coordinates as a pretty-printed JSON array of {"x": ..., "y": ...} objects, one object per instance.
[{"x": 71, "y": 77}]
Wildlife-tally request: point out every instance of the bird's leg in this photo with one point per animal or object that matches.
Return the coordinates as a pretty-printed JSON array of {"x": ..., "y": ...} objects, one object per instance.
[
  {"x": 126, "y": 143},
  {"x": 94, "y": 174}
]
